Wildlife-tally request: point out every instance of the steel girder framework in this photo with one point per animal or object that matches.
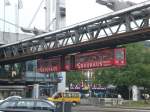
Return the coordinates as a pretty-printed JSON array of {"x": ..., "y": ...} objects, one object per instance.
[{"x": 116, "y": 28}]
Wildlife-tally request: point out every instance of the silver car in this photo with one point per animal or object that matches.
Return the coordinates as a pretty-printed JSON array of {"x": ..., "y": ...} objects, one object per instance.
[
  {"x": 11, "y": 98},
  {"x": 27, "y": 105}
]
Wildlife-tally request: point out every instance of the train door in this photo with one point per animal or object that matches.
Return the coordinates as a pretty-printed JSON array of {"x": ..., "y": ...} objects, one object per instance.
[{"x": 120, "y": 56}]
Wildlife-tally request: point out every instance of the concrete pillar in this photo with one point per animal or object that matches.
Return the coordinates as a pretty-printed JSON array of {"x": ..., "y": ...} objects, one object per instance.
[
  {"x": 62, "y": 84},
  {"x": 135, "y": 93},
  {"x": 35, "y": 93}
]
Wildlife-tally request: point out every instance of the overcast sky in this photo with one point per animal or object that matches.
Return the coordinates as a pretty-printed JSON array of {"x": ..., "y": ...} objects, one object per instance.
[{"x": 77, "y": 11}]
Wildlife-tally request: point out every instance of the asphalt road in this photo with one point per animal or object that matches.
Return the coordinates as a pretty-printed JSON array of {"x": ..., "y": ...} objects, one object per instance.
[{"x": 88, "y": 108}]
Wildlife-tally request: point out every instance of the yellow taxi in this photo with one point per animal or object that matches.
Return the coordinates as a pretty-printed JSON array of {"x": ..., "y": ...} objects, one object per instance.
[{"x": 73, "y": 97}]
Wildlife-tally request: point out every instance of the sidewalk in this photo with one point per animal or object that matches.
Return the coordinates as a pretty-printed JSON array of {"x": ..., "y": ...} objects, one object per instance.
[
  {"x": 126, "y": 107},
  {"x": 91, "y": 108},
  {"x": 113, "y": 103}
]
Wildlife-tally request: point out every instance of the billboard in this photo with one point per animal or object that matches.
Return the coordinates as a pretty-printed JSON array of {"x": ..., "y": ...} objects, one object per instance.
[
  {"x": 49, "y": 65},
  {"x": 100, "y": 58},
  {"x": 87, "y": 60}
]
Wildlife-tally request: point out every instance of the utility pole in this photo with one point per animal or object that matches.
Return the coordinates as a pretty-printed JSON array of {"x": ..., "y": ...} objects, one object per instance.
[
  {"x": 57, "y": 26},
  {"x": 55, "y": 14},
  {"x": 47, "y": 15},
  {"x": 6, "y": 3},
  {"x": 16, "y": 17},
  {"x": 18, "y": 6}
]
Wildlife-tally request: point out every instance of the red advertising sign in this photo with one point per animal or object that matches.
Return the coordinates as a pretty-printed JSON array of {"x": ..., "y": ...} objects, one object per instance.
[
  {"x": 107, "y": 57},
  {"x": 102, "y": 58},
  {"x": 86, "y": 60},
  {"x": 49, "y": 65}
]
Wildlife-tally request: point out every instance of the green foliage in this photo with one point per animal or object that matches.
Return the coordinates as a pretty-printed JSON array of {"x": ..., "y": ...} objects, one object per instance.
[
  {"x": 101, "y": 75},
  {"x": 74, "y": 77},
  {"x": 136, "y": 72}
]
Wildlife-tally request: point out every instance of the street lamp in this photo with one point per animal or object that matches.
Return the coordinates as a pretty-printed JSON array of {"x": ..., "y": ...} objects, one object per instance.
[
  {"x": 6, "y": 3},
  {"x": 18, "y": 6}
]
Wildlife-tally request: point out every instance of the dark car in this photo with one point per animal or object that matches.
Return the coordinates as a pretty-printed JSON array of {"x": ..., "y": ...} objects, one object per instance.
[{"x": 27, "y": 105}]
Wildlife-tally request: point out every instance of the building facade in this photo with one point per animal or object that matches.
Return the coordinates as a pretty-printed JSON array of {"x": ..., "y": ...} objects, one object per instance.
[{"x": 23, "y": 78}]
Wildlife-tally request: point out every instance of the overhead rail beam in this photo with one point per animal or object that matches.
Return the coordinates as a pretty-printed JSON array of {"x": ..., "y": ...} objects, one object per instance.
[{"x": 113, "y": 29}]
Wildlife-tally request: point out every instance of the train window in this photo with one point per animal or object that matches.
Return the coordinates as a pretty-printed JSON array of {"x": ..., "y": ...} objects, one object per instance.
[
  {"x": 119, "y": 54},
  {"x": 30, "y": 65}
]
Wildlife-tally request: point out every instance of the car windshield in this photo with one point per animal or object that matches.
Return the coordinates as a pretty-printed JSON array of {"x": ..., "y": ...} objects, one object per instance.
[
  {"x": 13, "y": 98},
  {"x": 7, "y": 104}
]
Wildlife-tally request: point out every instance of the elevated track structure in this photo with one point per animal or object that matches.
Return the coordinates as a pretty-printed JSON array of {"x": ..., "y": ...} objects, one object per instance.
[{"x": 116, "y": 28}]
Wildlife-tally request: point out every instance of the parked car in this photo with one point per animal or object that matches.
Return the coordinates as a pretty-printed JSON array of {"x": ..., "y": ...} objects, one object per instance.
[
  {"x": 27, "y": 105},
  {"x": 11, "y": 98}
]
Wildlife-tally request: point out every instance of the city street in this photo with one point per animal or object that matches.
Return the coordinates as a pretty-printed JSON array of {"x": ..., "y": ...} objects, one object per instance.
[
  {"x": 75, "y": 56},
  {"x": 89, "y": 108}
]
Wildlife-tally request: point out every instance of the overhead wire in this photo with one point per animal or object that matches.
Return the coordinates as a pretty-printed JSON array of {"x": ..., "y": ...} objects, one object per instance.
[
  {"x": 35, "y": 14},
  {"x": 17, "y": 26},
  {"x": 54, "y": 19},
  {"x": 33, "y": 18},
  {"x": 10, "y": 23}
]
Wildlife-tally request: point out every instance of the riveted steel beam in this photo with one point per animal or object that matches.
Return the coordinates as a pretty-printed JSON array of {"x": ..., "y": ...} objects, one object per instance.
[{"x": 108, "y": 27}]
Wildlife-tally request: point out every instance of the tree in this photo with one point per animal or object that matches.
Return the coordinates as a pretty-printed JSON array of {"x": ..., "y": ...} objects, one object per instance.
[
  {"x": 74, "y": 77},
  {"x": 136, "y": 72},
  {"x": 103, "y": 76}
]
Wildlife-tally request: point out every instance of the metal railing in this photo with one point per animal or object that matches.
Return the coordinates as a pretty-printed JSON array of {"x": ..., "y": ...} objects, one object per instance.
[{"x": 102, "y": 101}]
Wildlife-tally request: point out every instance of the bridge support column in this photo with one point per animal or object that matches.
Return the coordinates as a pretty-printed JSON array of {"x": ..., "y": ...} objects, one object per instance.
[
  {"x": 127, "y": 23},
  {"x": 146, "y": 21},
  {"x": 135, "y": 93},
  {"x": 62, "y": 84},
  {"x": 35, "y": 93}
]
